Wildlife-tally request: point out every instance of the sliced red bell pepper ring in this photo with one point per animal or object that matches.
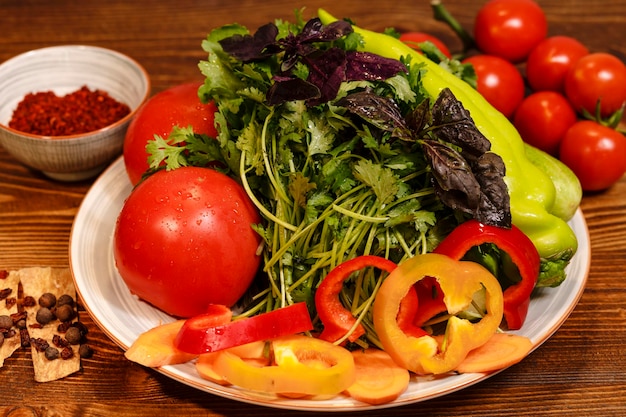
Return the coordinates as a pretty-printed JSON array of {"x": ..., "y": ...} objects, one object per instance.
[
  {"x": 201, "y": 334},
  {"x": 459, "y": 281},
  {"x": 520, "y": 249},
  {"x": 337, "y": 320}
]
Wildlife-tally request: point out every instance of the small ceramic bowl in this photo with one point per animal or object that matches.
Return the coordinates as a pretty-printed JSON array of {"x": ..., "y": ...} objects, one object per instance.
[{"x": 62, "y": 70}]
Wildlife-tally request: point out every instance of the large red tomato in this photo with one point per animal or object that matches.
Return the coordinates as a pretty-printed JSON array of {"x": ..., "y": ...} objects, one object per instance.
[
  {"x": 596, "y": 154},
  {"x": 597, "y": 76},
  {"x": 543, "y": 118},
  {"x": 509, "y": 29},
  {"x": 551, "y": 60},
  {"x": 176, "y": 106},
  {"x": 184, "y": 240},
  {"x": 499, "y": 81}
]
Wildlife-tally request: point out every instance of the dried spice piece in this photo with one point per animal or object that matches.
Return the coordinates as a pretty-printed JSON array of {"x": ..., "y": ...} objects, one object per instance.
[
  {"x": 85, "y": 351},
  {"x": 10, "y": 302},
  {"x": 64, "y": 312},
  {"x": 6, "y": 322},
  {"x": 39, "y": 344},
  {"x": 5, "y": 292},
  {"x": 51, "y": 353},
  {"x": 9, "y": 315},
  {"x": 28, "y": 301},
  {"x": 73, "y": 335},
  {"x": 44, "y": 316},
  {"x": 84, "y": 110},
  {"x": 37, "y": 281},
  {"x": 47, "y": 300},
  {"x": 45, "y": 323}
]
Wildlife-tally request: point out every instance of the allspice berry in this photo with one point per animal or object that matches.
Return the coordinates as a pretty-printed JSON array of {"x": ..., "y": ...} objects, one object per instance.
[{"x": 64, "y": 312}]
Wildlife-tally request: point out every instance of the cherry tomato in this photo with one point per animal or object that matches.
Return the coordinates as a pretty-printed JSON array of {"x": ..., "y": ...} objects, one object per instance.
[
  {"x": 413, "y": 39},
  {"x": 543, "y": 118},
  {"x": 499, "y": 81},
  {"x": 176, "y": 106},
  {"x": 183, "y": 240},
  {"x": 550, "y": 61},
  {"x": 596, "y": 154},
  {"x": 597, "y": 76},
  {"x": 509, "y": 29}
]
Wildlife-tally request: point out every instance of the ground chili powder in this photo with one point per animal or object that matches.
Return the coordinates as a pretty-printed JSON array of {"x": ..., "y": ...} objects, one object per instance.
[{"x": 84, "y": 110}]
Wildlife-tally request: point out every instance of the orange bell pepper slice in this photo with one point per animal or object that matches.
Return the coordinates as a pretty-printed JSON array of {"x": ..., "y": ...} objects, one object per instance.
[
  {"x": 459, "y": 281},
  {"x": 301, "y": 365}
]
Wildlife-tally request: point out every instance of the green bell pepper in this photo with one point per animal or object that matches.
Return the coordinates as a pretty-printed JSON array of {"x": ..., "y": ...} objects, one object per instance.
[{"x": 532, "y": 192}]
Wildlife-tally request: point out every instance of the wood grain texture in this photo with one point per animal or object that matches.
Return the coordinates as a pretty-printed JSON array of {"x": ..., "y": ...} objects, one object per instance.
[{"x": 580, "y": 371}]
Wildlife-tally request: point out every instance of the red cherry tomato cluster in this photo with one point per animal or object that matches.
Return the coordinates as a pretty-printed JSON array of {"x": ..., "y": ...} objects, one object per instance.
[{"x": 562, "y": 98}]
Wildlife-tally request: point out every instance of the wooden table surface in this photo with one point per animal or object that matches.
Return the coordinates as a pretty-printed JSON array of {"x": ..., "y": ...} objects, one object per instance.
[{"x": 579, "y": 371}]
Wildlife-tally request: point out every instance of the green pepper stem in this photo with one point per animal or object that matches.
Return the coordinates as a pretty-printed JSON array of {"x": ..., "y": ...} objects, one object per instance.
[{"x": 441, "y": 14}]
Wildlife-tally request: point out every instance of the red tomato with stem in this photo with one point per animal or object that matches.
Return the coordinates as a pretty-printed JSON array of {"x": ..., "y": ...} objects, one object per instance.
[
  {"x": 509, "y": 29},
  {"x": 597, "y": 77},
  {"x": 176, "y": 106},
  {"x": 550, "y": 61},
  {"x": 542, "y": 119},
  {"x": 596, "y": 154},
  {"x": 413, "y": 39},
  {"x": 184, "y": 240},
  {"x": 499, "y": 81}
]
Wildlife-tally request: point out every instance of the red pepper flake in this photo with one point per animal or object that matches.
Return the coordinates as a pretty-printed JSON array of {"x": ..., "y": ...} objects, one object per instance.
[
  {"x": 4, "y": 274},
  {"x": 46, "y": 114}
]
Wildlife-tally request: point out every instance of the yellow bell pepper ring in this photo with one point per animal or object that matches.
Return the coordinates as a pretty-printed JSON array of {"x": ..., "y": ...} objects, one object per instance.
[
  {"x": 301, "y": 365},
  {"x": 459, "y": 282}
]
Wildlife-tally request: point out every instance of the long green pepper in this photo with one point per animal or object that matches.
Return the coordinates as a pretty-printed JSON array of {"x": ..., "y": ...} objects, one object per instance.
[{"x": 532, "y": 192}]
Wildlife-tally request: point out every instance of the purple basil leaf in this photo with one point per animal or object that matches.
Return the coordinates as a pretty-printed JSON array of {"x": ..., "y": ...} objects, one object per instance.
[
  {"x": 370, "y": 67},
  {"x": 315, "y": 31},
  {"x": 454, "y": 181},
  {"x": 327, "y": 72},
  {"x": 289, "y": 89},
  {"x": 454, "y": 124},
  {"x": 458, "y": 173},
  {"x": 248, "y": 48},
  {"x": 419, "y": 117},
  {"x": 379, "y": 111},
  {"x": 495, "y": 204}
]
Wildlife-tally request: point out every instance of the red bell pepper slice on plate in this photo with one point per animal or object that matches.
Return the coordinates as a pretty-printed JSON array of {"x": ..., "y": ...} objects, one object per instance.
[{"x": 203, "y": 334}]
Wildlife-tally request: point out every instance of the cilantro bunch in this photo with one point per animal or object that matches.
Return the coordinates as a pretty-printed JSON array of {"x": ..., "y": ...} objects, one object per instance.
[{"x": 341, "y": 151}]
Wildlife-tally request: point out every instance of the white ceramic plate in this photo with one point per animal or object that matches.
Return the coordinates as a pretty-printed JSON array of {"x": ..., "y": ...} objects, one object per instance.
[{"x": 123, "y": 317}]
